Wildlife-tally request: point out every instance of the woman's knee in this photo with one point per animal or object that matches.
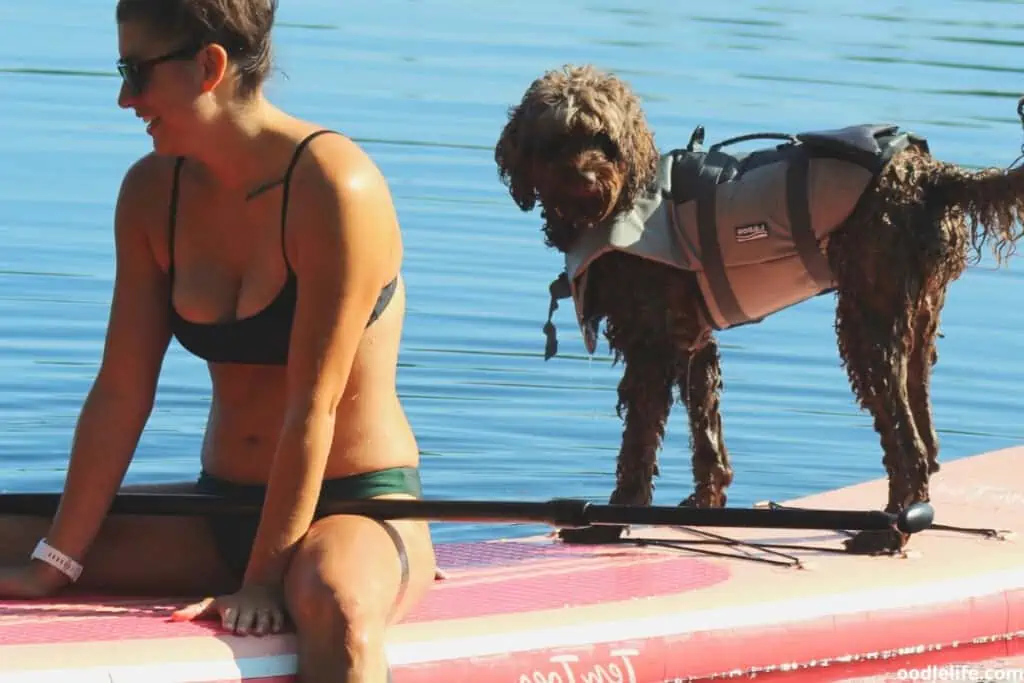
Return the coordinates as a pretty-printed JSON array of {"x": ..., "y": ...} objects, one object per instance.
[
  {"x": 331, "y": 594},
  {"x": 327, "y": 611}
]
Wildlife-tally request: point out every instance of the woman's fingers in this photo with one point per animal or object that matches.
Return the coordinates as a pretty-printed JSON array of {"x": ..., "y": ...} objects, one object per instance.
[
  {"x": 269, "y": 621},
  {"x": 264, "y": 620},
  {"x": 241, "y": 619},
  {"x": 193, "y": 611},
  {"x": 233, "y": 619},
  {"x": 277, "y": 620}
]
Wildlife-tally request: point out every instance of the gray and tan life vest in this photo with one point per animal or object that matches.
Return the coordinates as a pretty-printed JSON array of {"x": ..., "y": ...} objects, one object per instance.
[{"x": 752, "y": 227}]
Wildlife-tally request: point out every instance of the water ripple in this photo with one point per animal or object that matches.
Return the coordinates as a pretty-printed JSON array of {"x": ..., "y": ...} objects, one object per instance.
[{"x": 425, "y": 88}]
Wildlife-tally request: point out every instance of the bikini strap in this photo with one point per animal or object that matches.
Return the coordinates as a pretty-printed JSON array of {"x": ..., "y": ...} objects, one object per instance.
[
  {"x": 287, "y": 186},
  {"x": 173, "y": 217}
]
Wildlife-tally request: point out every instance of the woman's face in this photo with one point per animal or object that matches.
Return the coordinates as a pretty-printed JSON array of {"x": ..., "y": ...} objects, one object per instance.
[{"x": 163, "y": 81}]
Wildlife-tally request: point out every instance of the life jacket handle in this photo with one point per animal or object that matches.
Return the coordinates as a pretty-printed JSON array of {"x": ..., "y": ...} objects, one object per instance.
[{"x": 754, "y": 136}]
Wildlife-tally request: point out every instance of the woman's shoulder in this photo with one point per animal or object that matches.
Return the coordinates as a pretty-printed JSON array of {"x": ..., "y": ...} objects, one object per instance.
[
  {"x": 148, "y": 176},
  {"x": 335, "y": 160},
  {"x": 337, "y": 189},
  {"x": 142, "y": 203}
]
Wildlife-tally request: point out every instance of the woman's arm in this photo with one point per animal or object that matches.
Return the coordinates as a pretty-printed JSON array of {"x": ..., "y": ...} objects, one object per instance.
[
  {"x": 343, "y": 232},
  {"x": 121, "y": 397}
]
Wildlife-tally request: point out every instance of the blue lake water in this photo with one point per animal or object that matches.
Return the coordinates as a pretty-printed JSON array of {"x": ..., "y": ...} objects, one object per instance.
[{"x": 425, "y": 87}]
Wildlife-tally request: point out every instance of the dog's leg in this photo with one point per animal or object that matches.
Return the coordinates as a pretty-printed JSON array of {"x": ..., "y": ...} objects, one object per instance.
[
  {"x": 700, "y": 385},
  {"x": 923, "y": 358},
  {"x": 645, "y": 399},
  {"x": 875, "y": 342}
]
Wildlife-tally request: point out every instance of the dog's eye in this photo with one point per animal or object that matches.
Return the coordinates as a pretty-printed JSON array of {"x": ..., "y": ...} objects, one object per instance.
[
  {"x": 604, "y": 141},
  {"x": 549, "y": 149}
]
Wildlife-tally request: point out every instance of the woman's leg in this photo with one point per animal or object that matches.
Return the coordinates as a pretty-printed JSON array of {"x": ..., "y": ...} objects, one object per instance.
[
  {"x": 348, "y": 581},
  {"x": 152, "y": 555}
]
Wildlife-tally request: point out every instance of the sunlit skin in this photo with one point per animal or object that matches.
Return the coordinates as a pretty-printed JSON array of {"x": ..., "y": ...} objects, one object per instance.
[{"x": 332, "y": 411}]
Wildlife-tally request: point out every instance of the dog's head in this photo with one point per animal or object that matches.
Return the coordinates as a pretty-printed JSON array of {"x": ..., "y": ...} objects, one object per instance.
[{"x": 579, "y": 144}]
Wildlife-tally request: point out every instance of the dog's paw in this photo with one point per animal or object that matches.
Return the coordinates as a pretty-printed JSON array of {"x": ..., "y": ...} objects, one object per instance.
[
  {"x": 695, "y": 500},
  {"x": 599, "y": 533},
  {"x": 637, "y": 496},
  {"x": 889, "y": 542}
]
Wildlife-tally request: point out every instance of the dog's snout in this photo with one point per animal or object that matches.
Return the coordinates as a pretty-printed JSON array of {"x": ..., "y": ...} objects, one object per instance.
[{"x": 572, "y": 176}]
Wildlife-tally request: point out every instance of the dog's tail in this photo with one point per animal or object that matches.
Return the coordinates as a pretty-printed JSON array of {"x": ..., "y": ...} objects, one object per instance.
[{"x": 991, "y": 201}]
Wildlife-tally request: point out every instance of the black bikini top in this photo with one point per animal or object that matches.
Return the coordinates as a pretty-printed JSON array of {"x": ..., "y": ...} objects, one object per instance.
[{"x": 263, "y": 338}]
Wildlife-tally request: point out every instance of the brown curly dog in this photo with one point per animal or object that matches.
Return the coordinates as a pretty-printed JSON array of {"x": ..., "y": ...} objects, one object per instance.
[{"x": 666, "y": 249}]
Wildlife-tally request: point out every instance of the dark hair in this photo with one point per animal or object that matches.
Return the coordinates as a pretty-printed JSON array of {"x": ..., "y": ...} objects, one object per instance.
[{"x": 241, "y": 27}]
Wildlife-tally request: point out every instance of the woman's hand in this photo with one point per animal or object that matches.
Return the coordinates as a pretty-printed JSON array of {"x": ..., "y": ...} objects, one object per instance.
[
  {"x": 29, "y": 581},
  {"x": 255, "y": 609}
]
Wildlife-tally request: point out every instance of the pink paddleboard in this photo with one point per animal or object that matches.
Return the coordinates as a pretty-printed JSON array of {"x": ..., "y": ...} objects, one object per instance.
[{"x": 538, "y": 611}]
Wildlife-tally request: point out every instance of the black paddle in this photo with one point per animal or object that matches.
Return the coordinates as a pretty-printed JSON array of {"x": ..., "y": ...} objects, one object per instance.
[{"x": 559, "y": 512}]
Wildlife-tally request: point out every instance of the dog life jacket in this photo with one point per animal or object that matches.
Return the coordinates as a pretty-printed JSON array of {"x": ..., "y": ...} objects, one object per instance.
[{"x": 753, "y": 226}]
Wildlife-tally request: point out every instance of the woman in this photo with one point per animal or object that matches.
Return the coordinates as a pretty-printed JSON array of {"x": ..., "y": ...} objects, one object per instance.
[{"x": 270, "y": 248}]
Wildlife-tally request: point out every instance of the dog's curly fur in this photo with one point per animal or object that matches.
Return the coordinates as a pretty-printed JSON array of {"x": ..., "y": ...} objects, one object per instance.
[{"x": 579, "y": 145}]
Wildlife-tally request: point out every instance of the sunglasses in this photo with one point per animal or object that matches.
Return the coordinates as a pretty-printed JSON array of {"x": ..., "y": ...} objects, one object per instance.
[{"x": 136, "y": 72}]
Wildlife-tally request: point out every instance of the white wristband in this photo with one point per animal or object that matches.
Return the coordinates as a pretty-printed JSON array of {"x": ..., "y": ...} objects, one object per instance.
[{"x": 56, "y": 559}]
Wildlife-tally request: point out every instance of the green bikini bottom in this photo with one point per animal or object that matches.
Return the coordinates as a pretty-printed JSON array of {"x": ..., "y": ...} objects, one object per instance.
[{"x": 234, "y": 534}]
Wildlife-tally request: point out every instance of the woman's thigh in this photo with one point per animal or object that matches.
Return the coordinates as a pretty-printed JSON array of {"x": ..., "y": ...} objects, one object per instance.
[
  {"x": 355, "y": 562},
  {"x": 154, "y": 555}
]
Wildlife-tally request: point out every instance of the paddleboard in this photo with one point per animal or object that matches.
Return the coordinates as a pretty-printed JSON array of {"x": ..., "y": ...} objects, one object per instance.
[{"x": 668, "y": 605}]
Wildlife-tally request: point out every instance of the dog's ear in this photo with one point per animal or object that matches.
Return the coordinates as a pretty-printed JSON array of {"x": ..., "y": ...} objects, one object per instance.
[
  {"x": 641, "y": 154},
  {"x": 637, "y": 148},
  {"x": 513, "y": 160}
]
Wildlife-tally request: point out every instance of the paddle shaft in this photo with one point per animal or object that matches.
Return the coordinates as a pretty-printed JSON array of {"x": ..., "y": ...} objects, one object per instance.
[{"x": 558, "y": 512}]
